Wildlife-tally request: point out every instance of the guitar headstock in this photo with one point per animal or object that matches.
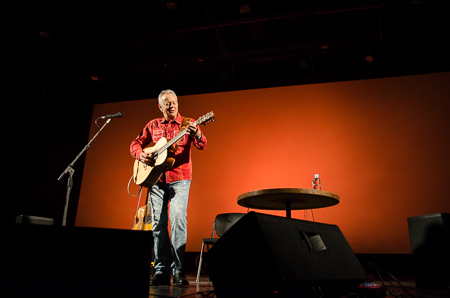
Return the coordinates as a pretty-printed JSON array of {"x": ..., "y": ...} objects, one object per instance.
[{"x": 205, "y": 118}]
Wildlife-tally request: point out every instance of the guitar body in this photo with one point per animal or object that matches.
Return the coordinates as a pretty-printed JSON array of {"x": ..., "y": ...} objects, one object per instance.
[
  {"x": 143, "y": 221},
  {"x": 147, "y": 175}
]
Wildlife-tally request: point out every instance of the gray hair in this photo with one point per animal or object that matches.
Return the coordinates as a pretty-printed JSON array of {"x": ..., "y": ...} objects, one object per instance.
[{"x": 164, "y": 92}]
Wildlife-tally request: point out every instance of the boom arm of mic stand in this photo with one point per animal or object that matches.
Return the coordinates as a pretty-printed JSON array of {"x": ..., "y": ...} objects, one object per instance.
[{"x": 70, "y": 170}]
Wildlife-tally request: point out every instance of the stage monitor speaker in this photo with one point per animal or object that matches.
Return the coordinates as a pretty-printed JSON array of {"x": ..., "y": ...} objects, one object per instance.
[
  {"x": 429, "y": 237},
  {"x": 54, "y": 261},
  {"x": 270, "y": 256}
]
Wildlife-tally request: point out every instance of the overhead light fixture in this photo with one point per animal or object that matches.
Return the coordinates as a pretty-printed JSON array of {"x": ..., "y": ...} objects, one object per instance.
[
  {"x": 303, "y": 63},
  {"x": 369, "y": 58},
  {"x": 245, "y": 9},
  {"x": 171, "y": 5},
  {"x": 44, "y": 34}
]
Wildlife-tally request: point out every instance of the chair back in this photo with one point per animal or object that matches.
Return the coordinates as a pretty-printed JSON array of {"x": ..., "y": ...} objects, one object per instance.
[{"x": 224, "y": 221}]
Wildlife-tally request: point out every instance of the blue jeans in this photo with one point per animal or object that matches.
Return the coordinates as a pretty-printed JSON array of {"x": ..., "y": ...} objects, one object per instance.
[{"x": 174, "y": 195}]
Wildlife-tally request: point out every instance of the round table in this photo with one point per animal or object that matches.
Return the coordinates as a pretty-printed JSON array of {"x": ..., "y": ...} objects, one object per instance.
[{"x": 287, "y": 199}]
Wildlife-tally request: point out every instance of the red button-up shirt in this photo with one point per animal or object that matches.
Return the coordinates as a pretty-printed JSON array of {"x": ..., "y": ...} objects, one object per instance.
[{"x": 158, "y": 128}]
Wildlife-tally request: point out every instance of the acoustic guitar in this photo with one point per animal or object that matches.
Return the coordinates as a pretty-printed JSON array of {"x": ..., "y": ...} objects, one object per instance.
[
  {"x": 143, "y": 219},
  {"x": 147, "y": 175}
]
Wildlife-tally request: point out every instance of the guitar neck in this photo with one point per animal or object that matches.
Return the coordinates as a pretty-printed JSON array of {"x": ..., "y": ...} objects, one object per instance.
[{"x": 172, "y": 141}]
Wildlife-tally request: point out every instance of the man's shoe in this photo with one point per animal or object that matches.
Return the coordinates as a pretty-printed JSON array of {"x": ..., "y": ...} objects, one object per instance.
[
  {"x": 180, "y": 280},
  {"x": 160, "y": 280}
]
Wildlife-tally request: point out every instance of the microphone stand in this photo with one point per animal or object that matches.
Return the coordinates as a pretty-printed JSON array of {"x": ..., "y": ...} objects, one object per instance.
[{"x": 70, "y": 170}]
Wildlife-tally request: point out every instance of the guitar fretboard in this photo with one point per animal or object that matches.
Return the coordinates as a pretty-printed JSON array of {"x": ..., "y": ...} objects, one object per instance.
[
  {"x": 199, "y": 121},
  {"x": 172, "y": 141}
]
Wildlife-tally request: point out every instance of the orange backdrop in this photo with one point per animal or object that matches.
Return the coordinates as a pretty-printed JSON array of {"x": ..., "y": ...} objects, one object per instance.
[{"x": 382, "y": 145}]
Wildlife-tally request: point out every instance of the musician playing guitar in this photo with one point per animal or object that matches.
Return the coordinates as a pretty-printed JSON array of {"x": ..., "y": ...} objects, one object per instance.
[{"x": 172, "y": 188}]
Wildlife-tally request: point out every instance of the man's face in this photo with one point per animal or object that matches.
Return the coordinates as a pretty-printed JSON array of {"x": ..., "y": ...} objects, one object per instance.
[{"x": 169, "y": 106}]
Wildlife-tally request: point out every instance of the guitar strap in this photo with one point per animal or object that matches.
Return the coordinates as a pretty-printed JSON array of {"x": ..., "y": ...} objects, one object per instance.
[{"x": 184, "y": 124}]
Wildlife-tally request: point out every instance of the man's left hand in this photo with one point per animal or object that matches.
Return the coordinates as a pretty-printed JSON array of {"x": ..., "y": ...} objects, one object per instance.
[{"x": 193, "y": 130}]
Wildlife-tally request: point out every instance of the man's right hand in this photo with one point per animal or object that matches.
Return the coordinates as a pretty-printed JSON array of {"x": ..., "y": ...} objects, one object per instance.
[{"x": 147, "y": 158}]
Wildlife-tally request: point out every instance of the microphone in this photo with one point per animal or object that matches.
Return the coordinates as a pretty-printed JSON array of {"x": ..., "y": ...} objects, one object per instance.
[{"x": 116, "y": 115}]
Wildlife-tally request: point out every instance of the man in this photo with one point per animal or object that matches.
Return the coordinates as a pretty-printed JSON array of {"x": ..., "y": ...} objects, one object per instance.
[{"x": 172, "y": 189}]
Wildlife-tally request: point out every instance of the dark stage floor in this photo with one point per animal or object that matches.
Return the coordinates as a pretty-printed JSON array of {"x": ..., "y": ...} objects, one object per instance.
[{"x": 407, "y": 288}]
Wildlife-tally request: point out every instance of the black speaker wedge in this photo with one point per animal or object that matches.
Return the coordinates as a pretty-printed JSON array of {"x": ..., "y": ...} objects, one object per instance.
[{"x": 270, "y": 256}]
